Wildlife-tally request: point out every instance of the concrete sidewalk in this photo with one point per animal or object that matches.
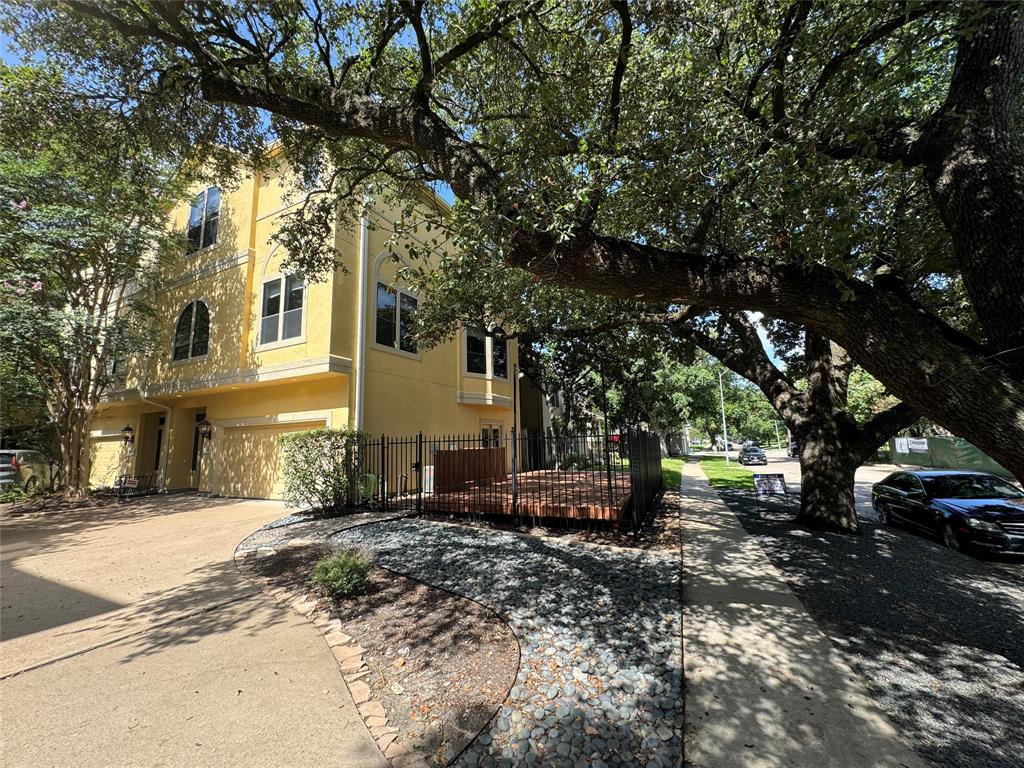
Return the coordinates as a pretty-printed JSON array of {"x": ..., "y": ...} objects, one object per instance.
[{"x": 764, "y": 686}]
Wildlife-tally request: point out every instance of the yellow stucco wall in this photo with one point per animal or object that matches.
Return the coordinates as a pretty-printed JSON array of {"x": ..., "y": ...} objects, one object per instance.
[{"x": 251, "y": 392}]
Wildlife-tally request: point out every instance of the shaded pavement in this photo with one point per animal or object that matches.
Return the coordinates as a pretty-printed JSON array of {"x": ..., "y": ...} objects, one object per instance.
[
  {"x": 764, "y": 686},
  {"x": 129, "y": 638},
  {"x": 934, "y": 634}
]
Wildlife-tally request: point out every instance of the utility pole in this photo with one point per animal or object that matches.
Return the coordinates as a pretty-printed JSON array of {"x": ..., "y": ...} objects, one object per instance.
[
  {"x": 725, "y": 432},
  {"x": 778, "y": 440}
]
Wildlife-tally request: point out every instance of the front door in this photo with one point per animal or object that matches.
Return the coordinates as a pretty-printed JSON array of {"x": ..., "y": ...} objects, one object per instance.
[
  {"x": 197, "y": 449},
  {"x": 158, "y": 453}
]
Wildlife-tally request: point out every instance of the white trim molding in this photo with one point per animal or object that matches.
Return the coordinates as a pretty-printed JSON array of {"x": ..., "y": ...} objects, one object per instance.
[
  {"x": 483, "y": 398},
  {"x": 309, "y": 367},
  {"x": 235, "y": 260}
]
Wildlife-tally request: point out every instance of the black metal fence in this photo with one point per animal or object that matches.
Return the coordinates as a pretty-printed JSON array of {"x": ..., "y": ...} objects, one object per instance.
[{"x": 585, "y": 480}]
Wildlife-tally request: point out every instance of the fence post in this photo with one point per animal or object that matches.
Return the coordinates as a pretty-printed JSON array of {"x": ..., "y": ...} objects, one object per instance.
[
  {"x": 383, "y": 484},
  {"x": 515, "y": 477},
  {"x": 419, "y": 473},
  {"x": 637, "y": 451}
]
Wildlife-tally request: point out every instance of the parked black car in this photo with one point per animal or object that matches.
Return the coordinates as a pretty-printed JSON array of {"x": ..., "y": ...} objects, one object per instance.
[
  {"x": 753, "y": 454},
  {"x": 794, "y": 450},
  {"x": 966, "y": 509}
]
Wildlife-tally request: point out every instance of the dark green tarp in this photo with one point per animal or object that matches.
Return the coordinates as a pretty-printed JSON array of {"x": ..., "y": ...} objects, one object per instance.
[{"x": 948, "y": 453}]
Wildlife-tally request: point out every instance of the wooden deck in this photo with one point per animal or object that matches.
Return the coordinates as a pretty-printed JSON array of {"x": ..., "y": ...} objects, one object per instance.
[{"x": 549, "y": 494}]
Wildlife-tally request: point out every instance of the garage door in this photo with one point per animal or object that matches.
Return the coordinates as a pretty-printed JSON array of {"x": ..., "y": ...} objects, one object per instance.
[
  {"x": 248, "y": 460},
  {"x": 106, "y": 460}
]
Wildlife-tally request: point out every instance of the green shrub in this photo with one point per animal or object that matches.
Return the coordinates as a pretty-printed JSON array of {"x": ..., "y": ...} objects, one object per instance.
[
  {"x": 580, "y": 462},
  {"x": 345, "y": 573},
  {"x": 14, "y": 493},
  {"x": 317, "y": 467}
]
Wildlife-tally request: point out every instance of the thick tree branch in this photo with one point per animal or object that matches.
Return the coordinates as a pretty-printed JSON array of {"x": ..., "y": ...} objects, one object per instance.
[
  {"x": 621, "y": 7},
  {"x": 884, "y": 425}
]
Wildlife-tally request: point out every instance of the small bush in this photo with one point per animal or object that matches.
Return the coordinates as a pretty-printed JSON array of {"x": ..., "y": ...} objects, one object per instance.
[
  {"x": 580, "y": 462},
  {"x": 13, "y": 494},
  {"x": 345, "y": 573},
  {"x": 317, "y": 468}
]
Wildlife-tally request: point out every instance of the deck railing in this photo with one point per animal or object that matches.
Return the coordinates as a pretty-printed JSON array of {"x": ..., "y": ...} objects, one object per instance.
[{"x": 584, "y": 480}]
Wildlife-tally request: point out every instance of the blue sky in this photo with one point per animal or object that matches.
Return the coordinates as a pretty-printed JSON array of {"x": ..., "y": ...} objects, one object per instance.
[{"x": 5, "y": 53}]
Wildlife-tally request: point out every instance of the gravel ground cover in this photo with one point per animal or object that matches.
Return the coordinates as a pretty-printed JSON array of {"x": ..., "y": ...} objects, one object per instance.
[
  {"x": 599, "y": 631},
  {"x": 936, "y": 635}
]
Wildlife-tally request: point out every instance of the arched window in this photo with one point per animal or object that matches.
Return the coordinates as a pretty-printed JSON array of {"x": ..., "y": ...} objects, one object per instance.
[{"x": 192, "y": 333}]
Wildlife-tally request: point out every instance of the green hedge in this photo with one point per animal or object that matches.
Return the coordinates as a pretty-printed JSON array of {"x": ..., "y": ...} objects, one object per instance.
[{"x": 318, "y": 465}]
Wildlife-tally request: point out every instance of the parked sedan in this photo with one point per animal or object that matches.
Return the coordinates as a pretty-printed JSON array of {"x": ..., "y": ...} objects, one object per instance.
[
  {"x": 753, "y": 454},
  {"x": 966, "y": 509}
]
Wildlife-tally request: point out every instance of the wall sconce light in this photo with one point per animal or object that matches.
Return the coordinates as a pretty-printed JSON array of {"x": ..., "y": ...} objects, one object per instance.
[
  {"x": 128, "y": 434},
  {"x": 205, "y": 429}
]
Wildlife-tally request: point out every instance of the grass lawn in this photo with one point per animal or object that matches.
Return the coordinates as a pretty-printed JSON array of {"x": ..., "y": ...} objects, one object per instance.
[
  {"x": 728, "y": 476},
  {"x": 671, "y": 472}
]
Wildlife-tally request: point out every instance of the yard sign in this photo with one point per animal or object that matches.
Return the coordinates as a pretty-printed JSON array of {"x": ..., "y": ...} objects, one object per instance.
[{"x": 770, "y": 485}]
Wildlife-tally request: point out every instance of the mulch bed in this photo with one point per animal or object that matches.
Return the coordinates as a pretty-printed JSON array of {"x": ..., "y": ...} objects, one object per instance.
[
  {"x": 440, "y": 664},
  {"x": 56, "y": 502}
]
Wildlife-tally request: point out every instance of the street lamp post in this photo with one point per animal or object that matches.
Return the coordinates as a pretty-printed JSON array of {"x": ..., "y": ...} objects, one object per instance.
[
  {"x": 778, "y": 440},
  {"x": 725, "y": 432}
]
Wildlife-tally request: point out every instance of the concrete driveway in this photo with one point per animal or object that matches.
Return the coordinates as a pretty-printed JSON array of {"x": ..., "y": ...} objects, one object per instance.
[{"x": 128, "y": 638}]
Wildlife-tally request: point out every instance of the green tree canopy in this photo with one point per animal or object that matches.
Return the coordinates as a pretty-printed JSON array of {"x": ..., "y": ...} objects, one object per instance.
[
  {"x": 742, "y": 156},
  {"x": 83, "y": 204}
]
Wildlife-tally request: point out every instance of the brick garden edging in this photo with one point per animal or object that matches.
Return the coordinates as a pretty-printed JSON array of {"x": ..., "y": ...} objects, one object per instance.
[{"x": 347, "y": 652}]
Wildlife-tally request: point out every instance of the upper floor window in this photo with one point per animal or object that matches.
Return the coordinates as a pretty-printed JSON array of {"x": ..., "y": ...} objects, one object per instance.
[
  {"x": 281, "y": 315},
  {"x": 204, "y": 219},
  {"x": 396, "y": 313},
  {"x": 486, "y": 355},
  {"x": 192, "y": 333},
  {"x": 116, "y": 360}
]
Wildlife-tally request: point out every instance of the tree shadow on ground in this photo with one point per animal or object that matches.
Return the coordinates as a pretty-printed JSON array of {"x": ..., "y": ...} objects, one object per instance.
[
  {"x": 934, "y": 634},
  {"x": 440, "y": 664}
]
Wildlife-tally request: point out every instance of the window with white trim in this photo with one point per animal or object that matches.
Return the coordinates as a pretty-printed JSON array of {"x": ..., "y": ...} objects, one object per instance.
[
  {"x": 486, "y": 355},
  {"x": 281, "y": 309},
  {"x": 192, "y": 332},
  {"x": 204, "y": 220},
  {"x": 395, "y": 318},
  {"x": 490, "y": 434}
]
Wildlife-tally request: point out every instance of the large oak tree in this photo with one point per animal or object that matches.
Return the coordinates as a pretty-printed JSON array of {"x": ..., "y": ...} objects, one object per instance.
[{"x": 688, "y": 154}]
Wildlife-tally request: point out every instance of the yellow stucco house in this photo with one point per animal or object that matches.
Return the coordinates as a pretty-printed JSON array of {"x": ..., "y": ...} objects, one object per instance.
[{"x": 256, "y": 354}]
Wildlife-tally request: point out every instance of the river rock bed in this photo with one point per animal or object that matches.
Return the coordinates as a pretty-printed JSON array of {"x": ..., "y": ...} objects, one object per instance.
[{"x": 600, "y": 634}]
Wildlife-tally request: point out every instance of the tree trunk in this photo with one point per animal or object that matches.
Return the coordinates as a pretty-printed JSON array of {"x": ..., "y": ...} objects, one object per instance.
[
  {"x": 73, "y": 448},
  {"x": 827, "y": 470},
  {"x": 974, "y": 172}
]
